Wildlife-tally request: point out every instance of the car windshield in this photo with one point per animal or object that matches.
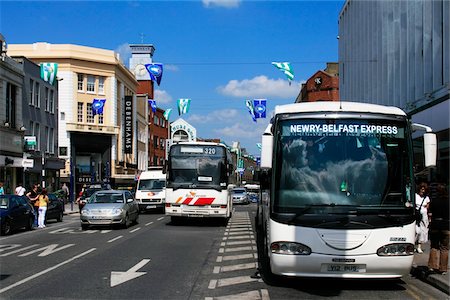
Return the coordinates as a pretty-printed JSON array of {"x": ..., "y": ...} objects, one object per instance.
[
  {"x": 238, "y": 191},
  {"x": 106, "y": 198},
  {"x": 151, "y": 184},
  {"x": 4, "y": 203}
]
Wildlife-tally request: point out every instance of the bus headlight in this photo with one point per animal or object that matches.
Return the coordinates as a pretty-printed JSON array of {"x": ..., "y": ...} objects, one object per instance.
[
  {"x": 402, "y": 249},
  {"x": 289, "y": 248}
]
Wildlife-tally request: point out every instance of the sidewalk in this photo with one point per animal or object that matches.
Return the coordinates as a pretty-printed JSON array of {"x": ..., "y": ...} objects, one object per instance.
[
  {"x": 68, "y": 209},
  {"x": 420, "y": 271}
]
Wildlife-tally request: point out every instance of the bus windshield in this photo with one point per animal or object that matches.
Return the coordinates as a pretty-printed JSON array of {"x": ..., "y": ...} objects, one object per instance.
[
  {"x": 348, "y": 163},
  {"x": 197, "y": 165}
]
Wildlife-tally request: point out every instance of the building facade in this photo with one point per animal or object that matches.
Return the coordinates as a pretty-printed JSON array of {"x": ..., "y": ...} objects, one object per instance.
[
  {"x": 397, "y": 53},
  {"x": 11, "y": 123},
  {"x": 158, "y": 130},
  {"x": 98, "y": 146},
  {"x": 322, "y": 86},
  {"x": 40, "y": 118}
]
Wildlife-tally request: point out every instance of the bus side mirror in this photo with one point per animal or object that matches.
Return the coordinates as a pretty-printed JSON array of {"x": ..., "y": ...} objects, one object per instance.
[
  {"x": 430, "y": 149},
  {"x": 266, "y": 151}
]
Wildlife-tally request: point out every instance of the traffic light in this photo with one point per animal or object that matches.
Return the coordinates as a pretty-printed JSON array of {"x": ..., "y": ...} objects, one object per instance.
[{"x": 8, "y": 161}]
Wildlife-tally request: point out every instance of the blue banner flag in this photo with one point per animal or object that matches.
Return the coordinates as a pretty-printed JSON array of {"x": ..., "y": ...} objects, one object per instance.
[
  {"x": 97, "y": 106},
  {"x": 155, "y": 71},
  {"x": 152, "y": 104},
  {"x": 260, "y": 108}
]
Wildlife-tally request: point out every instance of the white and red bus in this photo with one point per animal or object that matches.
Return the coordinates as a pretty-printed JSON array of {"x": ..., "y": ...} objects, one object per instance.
[{"x": 198, "y": 184}]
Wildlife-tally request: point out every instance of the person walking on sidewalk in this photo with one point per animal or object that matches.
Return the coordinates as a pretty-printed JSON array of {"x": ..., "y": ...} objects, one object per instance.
[
  {"x": 422, "y": 202},
  {"x": 20, "y": 190},
  {"x": 43, "y": 203},
  {"x": 34, "y": 197},
  {"x": 439, "y": 231}
]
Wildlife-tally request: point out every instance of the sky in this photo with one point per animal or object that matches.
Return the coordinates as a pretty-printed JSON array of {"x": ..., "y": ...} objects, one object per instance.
[{"x": 218, "y": 53}]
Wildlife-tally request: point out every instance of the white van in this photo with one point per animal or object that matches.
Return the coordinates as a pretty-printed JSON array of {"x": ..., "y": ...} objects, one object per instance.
[{"x": 151, "y": 189}]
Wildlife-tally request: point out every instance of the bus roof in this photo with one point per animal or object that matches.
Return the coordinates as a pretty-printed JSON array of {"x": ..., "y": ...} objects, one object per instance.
[
  {"x": 200, "y": 144},
  {"x": 336, "y": 106}
]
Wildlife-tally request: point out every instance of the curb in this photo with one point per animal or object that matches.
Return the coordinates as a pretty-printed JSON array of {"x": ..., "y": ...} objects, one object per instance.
[{"x": 438, "y": 281}]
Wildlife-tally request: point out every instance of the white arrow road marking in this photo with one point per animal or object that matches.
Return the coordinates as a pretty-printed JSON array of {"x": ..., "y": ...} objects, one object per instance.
[{"x": 120, "y": 277}]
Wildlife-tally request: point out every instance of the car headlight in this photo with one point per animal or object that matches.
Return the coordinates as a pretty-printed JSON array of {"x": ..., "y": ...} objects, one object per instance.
[
  {"x": 117, "y": 211},
  {"x": 290, "y": 248},
  {"x": 85, "y": 212},
  {"x": 400, "y": 249}
]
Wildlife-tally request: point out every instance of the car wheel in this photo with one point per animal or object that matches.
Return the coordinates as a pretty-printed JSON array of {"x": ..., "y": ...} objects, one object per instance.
[
  {"x": 6, "y": 228},
  {"x": 126, "y": 221},
  {"x": 30, "y": 223},
  {"x": 60, "y": 217}
]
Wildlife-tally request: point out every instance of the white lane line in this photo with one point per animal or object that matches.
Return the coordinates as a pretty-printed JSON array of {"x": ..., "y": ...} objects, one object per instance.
[
  {"x": 45, "y": 271},
  {"x": 234, "y": 280},
  {"x": 218, "y": 269},
  {"x": 239, "y": 232},
  {"x": 241, "y": 237},
  {"x": 149, "y": 223},
  {"x": 134, "y": 230},
  {"x": 233, "y": 243},
  {"x": 159, "y": 219},
  {"x": 19, "y": 250},
  {"x": 115, "y": 239},
  {"x": 212, "y": 284},
  {"x": 265, "y": 294},
  {"x": 239, "y": 256},
  {"x": 235, "y": 249}
]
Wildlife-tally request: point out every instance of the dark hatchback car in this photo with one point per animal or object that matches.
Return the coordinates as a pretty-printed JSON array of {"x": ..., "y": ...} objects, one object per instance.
[
  {"x": 55, "y": 208},
  {"x": 15, "y": 213}
]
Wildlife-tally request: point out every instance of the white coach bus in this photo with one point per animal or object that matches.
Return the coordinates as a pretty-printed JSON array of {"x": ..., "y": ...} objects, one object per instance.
[
  {"x": 199, "y": 176},
  {"x": 337, "y": 191}
]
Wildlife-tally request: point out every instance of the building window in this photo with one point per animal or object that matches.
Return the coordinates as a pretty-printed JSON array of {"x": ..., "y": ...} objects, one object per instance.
[
  {"x": 155, "y": 120},
  {"x": 100, "y": 119},
  {"x": 101, "y": 85},
  {"x": 80, "y": 82},
  {"x": 37, "y": 134},
  {"x": 37, "y": 94},
  {"x": 52, "y": 141},
  {"x": 155, "y": 142},
  {"x": 11, "y": 104},
  {"x": 47, "y": 100},
  {"x": 90, "y": 83},
  {"x": 161, "y": 143},
  {"x": 31, "y": 92},
  {"x": 62, "y": 151},
  {"x": 89, "y": 114},
  {"x": 47, "y": 139},
  {"x": 155, "y": 160},
  {"x": 52, "y": 101},
  {"x": 80, "y": 112}
]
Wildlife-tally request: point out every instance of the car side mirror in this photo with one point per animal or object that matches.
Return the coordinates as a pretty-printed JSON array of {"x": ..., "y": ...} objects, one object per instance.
[{"x": 130, "y": 200}]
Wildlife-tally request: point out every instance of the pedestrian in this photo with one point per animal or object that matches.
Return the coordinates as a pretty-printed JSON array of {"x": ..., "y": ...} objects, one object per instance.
[
  {"x": 2, "y": 190},
  {"x": 43, "y": 203},
  {"x": 422, "y": 203},
  {"x": 439, "y": 231},
  {"x": 66, "y": 192},
  {"x": 20, "y": 190},
  {"x": 33, "y": 196}
]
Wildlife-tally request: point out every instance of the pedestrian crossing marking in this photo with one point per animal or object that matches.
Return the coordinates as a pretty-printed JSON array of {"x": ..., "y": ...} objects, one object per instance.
[
  {"x": 262, "y": 294},
  {"x": 221, "y": 269},
  {"x": 217, "y": 283}
]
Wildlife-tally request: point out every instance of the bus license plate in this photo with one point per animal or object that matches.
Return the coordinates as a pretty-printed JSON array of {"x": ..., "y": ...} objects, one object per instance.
[{"x": 345, "y": 268}]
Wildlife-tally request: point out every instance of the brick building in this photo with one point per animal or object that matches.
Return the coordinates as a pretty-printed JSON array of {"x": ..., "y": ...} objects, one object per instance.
[{"x": 322, "y": 86}]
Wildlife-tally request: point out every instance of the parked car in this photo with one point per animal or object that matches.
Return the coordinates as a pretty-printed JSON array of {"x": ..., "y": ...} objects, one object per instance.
[
  {"x": 55, "y": 208},
  {"x": 89, "y": 191},
  {"x": 16, "y": 212},
  {"x": 109, "y": 207},
  {"x": 239, "y": 196}
]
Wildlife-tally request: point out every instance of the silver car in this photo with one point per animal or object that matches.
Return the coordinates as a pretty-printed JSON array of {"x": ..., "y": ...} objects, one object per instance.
[
  {"x": 239, "y": 196},
  {"x": 110, "y": 207}
]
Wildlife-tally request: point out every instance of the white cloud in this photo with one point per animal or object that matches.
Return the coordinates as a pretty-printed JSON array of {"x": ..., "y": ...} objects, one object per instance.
[
  {"x": 171, "y": 68},
  {"x": 221, "y": 3},
  {"x": 223, "y": 115},
  {"x": 261, "y": 87},
  {"x": 162, "y": 97},
  {"x": 124, "y": 52}
]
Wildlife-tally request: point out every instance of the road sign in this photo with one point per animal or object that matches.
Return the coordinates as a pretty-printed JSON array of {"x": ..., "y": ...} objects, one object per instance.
[{"x": 28, "y": 163}]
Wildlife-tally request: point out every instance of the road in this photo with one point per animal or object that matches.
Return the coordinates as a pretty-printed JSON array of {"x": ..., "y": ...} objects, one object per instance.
[{"x": 156, "y": 259}]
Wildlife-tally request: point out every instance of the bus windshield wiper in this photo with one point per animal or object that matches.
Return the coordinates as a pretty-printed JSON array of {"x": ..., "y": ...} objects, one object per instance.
[{"x": 305, "y": 209}]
